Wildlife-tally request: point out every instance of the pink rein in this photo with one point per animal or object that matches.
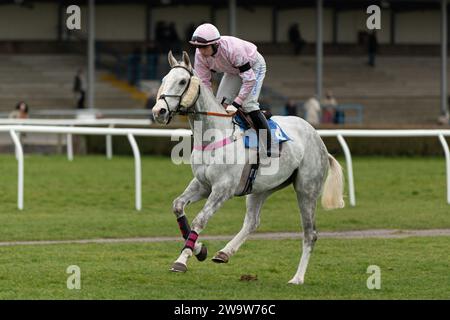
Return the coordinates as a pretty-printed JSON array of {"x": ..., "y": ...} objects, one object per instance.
[
  {"x": 215, "y": 145},
  {"x": 218, "y": 144}
]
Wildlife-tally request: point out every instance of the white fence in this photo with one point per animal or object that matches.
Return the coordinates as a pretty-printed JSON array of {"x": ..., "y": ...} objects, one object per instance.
[
  {"x": 340, "y": 134},
  {"x": 111, "y": 123},
  {"x": 77, "y": 122},
  {"x": 64, "y": 113},
  {"x": 130, "y": 133}
]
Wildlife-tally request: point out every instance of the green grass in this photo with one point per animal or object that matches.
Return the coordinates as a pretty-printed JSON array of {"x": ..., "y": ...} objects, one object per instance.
[
  {"x": 92, "y": 197},
  {"x": 413, "y": 268}
]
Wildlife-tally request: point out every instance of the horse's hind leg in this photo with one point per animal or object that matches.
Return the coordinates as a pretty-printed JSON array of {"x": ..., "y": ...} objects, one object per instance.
[
  {"x": 254, "y": 203},
  {"x": 308, "y": 186},
  {"x": 194, "y": 192},
  {"x": 307, "y": 204}
]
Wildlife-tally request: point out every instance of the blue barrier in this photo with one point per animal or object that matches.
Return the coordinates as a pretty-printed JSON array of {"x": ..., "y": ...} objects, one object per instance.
[{"x": 342, "y": 116}]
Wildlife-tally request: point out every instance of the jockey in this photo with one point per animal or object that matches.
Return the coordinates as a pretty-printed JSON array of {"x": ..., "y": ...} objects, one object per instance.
[{"x": 244, "y": 70}]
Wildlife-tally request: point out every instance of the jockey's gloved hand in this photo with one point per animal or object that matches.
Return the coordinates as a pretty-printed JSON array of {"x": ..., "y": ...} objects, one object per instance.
[{"x": 231, "y": 109}]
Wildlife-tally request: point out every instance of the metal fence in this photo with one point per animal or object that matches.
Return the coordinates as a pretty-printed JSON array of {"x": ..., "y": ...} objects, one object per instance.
[{"x": 14, "y": 130}]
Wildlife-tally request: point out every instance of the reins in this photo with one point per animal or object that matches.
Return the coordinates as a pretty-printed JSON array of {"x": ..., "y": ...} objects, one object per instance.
[
  {"x": 207, "y": 113},
  {"x": 178, "y": 110}
]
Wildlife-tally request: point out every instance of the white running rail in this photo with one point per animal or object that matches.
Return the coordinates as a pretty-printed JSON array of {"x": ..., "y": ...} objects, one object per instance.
[
  {"x": 15, "y": 130},
  {"x": 111, "y": 123},
  {"x": 441, "y": 134}
]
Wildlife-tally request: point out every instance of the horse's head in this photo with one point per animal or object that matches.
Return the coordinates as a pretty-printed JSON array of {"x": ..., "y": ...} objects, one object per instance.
[{"x": 178, "y": 92}]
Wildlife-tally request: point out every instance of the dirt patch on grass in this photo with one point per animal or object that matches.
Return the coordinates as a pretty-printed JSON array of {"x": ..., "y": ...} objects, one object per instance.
[{"x": 356, "y": 234}]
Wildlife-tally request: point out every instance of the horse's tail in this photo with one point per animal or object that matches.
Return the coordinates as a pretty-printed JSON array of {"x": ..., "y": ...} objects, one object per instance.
[{"x": 333, "y": 190}]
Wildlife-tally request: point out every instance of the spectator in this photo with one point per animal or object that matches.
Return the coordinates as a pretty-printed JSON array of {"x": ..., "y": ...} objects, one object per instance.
[
  {"x": 189, "y": 32},
  {"x": 79, "y": 88},
  {"x": 162, "y": 36},
  {"x": 312, "y": 111},
  {"x": 295, "y": 37},
  {"x": 160, "y": 32},
  {"x": 20, "y": 112},
  {"x": 445, "y": 118},
  {"x": 339, "y": 117},
  {"x": 290, "y": 109},
  {"x": 151, "y": 57},
  {"x": 151, "y": 101},
  {"x": 134, "y": 65},
  {"x": 372, "y": 47},
  {"x": 174, "y": 40},
  {"x": 329, "y": 105}
]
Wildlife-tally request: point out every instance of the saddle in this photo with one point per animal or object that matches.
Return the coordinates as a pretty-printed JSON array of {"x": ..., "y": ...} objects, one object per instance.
[{"x": 251, "y": 142}]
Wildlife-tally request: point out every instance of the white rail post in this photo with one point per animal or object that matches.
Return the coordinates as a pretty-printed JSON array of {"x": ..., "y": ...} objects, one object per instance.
[
  {"x": 59, "y": 143},
  {"x": 348, "y": 160},
  {"x": 69, "y": 147},
  {"x": 109, "y": 147},
  {"x": 15, "y": 149},
  {"x": 447, "y": 161},
  {"x": 19, "y": 156},
  {"x": 137, "y": 169}
]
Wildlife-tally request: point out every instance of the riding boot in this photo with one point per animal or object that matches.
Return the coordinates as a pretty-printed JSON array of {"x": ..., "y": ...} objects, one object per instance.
[{"x": 260, "y": 122}]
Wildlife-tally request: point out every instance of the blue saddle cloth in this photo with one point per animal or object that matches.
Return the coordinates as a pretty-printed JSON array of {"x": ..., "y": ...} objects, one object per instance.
[{"x": 250, "y": 138}]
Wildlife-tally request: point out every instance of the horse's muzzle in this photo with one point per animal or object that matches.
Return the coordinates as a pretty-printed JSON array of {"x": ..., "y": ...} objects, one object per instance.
[{"x": 160, "y": 112}]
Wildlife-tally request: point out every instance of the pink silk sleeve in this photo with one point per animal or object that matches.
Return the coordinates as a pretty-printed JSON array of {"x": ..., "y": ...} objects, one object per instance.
[
  {"x": 202, "y": 70},
  {"x": 248, "y": 82},
  {"x": 239, "y": 58}
]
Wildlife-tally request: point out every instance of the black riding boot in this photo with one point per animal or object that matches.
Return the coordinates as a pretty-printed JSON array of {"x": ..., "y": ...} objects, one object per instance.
[{"x": 260, "y": 122}]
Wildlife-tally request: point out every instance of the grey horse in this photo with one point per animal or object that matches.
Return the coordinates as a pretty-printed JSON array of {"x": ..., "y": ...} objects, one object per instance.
[{"x": 303, "y": 162}]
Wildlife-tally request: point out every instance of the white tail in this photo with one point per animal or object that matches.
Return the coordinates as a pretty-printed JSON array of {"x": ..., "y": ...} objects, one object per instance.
[{"x": 333, "y": 190}]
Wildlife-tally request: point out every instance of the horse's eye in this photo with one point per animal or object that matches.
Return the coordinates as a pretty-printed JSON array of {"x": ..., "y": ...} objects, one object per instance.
[{"x": 182, "y": 82}]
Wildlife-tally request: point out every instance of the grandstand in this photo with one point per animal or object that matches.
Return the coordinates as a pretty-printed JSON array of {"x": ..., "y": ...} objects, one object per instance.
[
  {"x": 38, "y": 62},
  {"x": 92, "y": 200},
  {"x": 388, "y": 93},
  {"x": 46, "y": 82},
  {"x": 392, "y": 93}
]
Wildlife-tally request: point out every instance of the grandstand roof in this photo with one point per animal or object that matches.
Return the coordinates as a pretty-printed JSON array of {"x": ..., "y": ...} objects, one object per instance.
[{"x": 340, "y": 4}]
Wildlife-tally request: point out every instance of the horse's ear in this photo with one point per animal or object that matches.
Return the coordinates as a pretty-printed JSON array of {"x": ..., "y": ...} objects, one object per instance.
[
  {"x": 172, "y": 61},
  {"x": 186, "y": 60}
]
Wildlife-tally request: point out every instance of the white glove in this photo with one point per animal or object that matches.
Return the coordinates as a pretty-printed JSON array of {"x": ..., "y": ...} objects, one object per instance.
[{"x": 231, "y": 109}]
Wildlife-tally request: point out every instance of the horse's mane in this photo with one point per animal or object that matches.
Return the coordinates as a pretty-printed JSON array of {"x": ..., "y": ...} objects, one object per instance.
[{"x": 208, "y": 94}]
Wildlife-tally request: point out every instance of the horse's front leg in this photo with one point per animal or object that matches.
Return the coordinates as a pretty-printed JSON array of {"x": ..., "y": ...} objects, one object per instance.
[
  {"x": 195, "y": 191},
  {"x": 215, "y": 200},
  {"x": 251, "y": 222}
]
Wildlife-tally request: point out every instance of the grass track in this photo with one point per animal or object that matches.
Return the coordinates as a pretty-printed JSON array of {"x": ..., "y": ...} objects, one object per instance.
[
  {"x": 413, "y": 268},
  {"x": 92, "y": 197}
]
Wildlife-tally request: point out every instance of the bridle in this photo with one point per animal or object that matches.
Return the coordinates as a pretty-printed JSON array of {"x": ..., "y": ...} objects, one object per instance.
[
  {"x": 186, "y": 111},
  {"x": 178, "y": 109}
]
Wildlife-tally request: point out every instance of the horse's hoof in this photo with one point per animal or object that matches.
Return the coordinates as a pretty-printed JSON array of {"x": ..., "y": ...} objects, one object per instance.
[
  {"x": 295, "y": 281},
  {"x": 220, "y": 257},
  {"x": 201, "y": 256},
  {"x": 178, "y": 267}
]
